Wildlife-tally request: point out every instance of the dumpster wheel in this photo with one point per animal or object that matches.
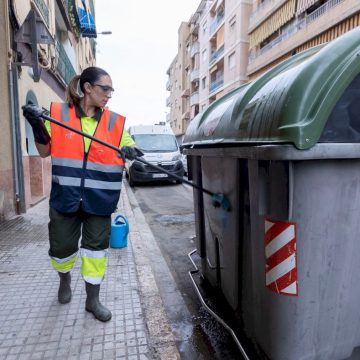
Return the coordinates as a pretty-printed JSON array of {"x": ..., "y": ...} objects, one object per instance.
[{"x": 210, "y": 311}]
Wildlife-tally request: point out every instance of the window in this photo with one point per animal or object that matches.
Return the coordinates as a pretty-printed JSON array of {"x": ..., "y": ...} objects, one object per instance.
[
  {"x": 232, "y": 23},
  {"x": 232, "y": 60},
  {"x": 204, "y": 56},
  {"x": 203, "y": 82}
]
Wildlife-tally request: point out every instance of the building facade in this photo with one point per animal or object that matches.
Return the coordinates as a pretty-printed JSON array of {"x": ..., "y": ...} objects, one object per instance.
[
  {"x": 213, "y": 49},
  {"x": 43, "y": 45},
  {"x": 234, "y": 41},
  {"x": 281, "y": 28}
]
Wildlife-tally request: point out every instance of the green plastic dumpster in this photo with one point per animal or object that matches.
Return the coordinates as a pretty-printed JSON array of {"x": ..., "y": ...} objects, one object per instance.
[{"x": 285, "y": 150}]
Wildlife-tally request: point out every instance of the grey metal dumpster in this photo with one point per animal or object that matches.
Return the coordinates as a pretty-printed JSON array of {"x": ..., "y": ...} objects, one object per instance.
[{"x": 285, "y": 150}]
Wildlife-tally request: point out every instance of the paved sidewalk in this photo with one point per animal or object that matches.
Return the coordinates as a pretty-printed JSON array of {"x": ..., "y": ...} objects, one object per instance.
[{"x": 35, "y": 326}]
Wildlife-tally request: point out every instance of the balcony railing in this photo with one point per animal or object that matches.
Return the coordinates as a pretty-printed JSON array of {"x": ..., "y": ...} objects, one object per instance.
[
  {"x": 44, "y": 10},
  {"x": 217, "y": 83},
  {"x": 218, "y": 20},
  {"x": 322, "y": 10},
  {"x": 194, "y": 75},
  {"x": 295, "y": 26},
  {"x": 64, "y": 66},
  {"x": 194, "y": 28},
  {"x": 194, "y": 98},
  {"x": 195, "y": 49},
  {"x": 216, "y": 55}
]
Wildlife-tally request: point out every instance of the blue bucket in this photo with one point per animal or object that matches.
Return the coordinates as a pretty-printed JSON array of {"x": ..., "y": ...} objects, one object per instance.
[{"x": 119, "y": 232}]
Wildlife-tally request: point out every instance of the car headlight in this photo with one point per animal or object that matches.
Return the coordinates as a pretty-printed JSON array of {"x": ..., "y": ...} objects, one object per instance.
[{"x": 176, "y": 157}]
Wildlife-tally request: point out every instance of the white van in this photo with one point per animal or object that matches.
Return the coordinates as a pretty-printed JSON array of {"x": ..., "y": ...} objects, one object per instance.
[{"x": 160, "y": 147}]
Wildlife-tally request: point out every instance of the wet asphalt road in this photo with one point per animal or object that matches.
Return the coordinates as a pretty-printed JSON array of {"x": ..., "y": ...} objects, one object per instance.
[{"x": 168, "y": 209}]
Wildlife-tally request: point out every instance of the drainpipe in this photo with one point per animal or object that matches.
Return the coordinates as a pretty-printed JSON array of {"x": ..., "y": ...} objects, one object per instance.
[
  {"x": 14, "y": 117},
  {"x": 16, "y": 143}
]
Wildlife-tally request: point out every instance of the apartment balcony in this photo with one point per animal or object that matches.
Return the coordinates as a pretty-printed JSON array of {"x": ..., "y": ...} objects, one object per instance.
[
  {"x": 298, "y": 32},
  {"x": 43, "y": 10},
  {"x": 216, "y": 83},
  {"x": 194, "y": 98},
  {"x": 168, "y": 85},
  {"x": 168, "y": 101},
  {"x": 263, "y": 11},
  {"x": 195, "y": 49},
  {"x": 194, "y": 28},
  {"x": 219, "y": 19},
  {"x": 194, "y": 75},
  {"x": 216, "y": 55},
  {"x": 64, "y": 66},
  {"x": 186, "y": 115}
]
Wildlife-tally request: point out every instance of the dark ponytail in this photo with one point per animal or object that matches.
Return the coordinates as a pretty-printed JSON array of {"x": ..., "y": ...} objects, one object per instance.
[
  {"x": 71, "y": 93},
  {"x": 90, "y": 75}
]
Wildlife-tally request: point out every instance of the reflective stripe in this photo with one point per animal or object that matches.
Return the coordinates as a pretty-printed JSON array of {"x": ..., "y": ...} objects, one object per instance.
[
  {"x": 65, "y": 112},
  {"x": 95, "y": 254},
  {"x": 112, "y": 120},
  {"x": 93, "y": 280},
  {"x": 104, "y": 168},
  {"x": 104, "y": 185},
  {"x": 63, "y": 265},
  {"x": 67, "y": 162},
  {"x": 66, "y": 180},
  {"x": 93, "y": 265}
]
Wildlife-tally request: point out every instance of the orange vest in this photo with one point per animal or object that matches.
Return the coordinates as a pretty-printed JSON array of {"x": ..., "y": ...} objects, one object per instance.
[{"x": 91, "y": 180}]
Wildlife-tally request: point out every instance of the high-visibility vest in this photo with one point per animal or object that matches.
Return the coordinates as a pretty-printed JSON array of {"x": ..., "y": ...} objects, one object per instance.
[{"x": 92, "y": 179}]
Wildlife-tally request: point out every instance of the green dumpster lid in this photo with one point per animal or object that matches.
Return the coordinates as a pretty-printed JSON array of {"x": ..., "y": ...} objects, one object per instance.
[{"x": 290, "y": 103}]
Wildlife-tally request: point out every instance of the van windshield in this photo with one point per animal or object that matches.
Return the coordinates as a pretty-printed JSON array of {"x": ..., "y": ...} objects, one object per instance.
[{"x": 156, "y": 142}]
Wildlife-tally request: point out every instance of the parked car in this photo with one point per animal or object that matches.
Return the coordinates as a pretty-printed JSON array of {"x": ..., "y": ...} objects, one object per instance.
[{"x": 160, "y": 147}]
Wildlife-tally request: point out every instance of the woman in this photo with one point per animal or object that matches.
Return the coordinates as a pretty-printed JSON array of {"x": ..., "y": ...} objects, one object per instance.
[{"x": 86, "y": 180}]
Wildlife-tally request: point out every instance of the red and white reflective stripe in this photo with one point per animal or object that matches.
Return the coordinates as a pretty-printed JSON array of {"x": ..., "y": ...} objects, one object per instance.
[{"x": 280, "y": 254}]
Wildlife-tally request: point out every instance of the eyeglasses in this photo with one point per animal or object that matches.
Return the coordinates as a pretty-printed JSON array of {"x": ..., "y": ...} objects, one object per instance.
[{"x": 106, "y": 89}]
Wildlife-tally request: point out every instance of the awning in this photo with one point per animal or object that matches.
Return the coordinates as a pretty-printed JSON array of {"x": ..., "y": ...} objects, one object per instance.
[
  {"x": 273, "y": 23},
  {"x": 87, "y": 22},
  {"x": 218, "y": 4},
  {"x": 302, "y": 5}
]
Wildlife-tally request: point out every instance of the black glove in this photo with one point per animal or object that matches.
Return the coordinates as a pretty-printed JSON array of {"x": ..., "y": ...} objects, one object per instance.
[
  {"x": 33, "y": 113},
  {"x": 130, "y": 152}
]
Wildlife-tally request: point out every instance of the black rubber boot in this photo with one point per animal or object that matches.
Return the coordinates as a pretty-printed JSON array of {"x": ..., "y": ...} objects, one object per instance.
[
  {"x": 93, "y": 304},
  {"x": 64, "y": 293}
]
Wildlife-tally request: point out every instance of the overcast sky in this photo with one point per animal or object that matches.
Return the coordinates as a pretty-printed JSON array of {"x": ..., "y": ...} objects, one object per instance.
[{"x": 138, "y": 53}]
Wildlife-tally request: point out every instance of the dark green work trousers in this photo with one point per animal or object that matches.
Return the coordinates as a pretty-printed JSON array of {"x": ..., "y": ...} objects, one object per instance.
[{"x": 66, "y": 230}]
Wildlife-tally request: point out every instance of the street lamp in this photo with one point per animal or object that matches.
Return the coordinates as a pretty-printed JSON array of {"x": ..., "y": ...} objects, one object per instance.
[{"x": 104, "y": 33}]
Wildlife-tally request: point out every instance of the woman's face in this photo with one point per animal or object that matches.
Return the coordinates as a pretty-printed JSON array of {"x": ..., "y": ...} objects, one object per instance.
[{"x": 100, "y": 91}]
